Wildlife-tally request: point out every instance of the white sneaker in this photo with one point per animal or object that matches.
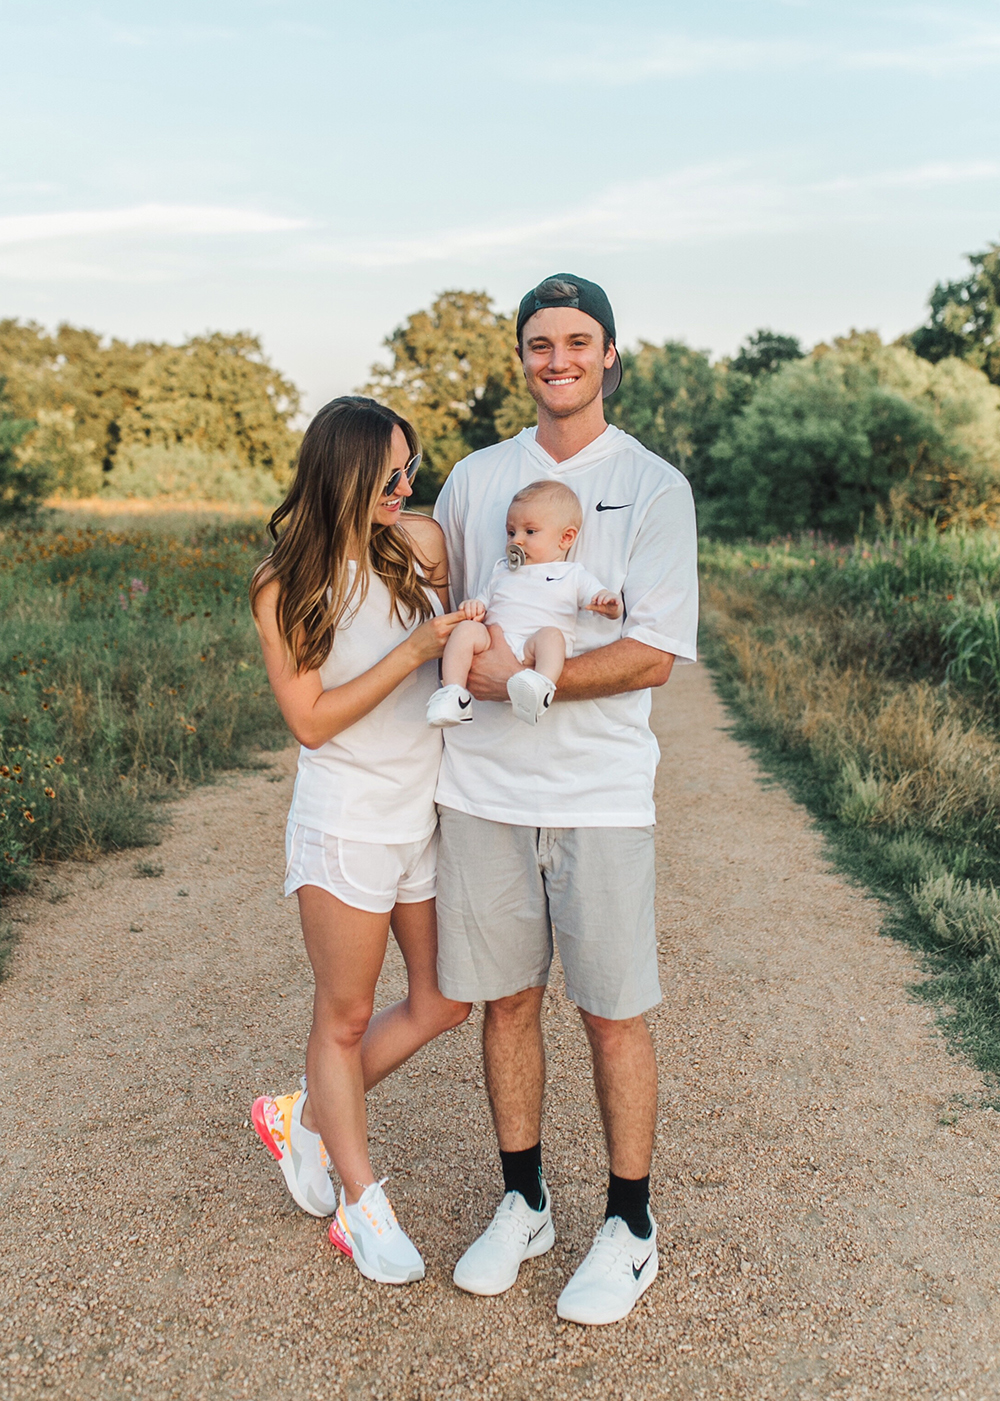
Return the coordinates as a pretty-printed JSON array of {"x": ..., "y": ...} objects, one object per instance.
[
  {"x": 516, "y": 1233},
  {"x": 300, "y": 1153},
  {"x": 530, "y": 694},
  {"x": 380, "y": 1247},
  {"x": 449, "y": 705},
  {"x": 619, "y": 1268}
]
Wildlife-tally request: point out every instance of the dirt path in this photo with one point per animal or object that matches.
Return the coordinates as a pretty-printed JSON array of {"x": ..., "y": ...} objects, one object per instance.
[{"x": 827, "y": 1229}]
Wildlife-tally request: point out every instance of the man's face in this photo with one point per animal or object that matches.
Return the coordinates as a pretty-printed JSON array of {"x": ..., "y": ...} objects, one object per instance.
[{"x": 562, "y": 351}]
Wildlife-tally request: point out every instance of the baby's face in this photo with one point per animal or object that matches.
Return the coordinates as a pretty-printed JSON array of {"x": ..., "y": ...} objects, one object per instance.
[{"x": 540, "y": 529}]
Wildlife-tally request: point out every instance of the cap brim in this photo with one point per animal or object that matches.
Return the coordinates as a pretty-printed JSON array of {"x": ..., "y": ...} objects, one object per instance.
[{"x": 613, "y": 376}]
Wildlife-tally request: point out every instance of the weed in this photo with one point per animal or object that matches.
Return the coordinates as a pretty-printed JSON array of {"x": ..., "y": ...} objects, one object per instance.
[
  {"x": 147, "y": 870},
  {"x": 8, "y": 938}
]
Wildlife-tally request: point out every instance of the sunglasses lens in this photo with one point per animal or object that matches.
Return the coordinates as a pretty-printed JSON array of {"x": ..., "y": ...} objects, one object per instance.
[{"x": 412, "y": 465}]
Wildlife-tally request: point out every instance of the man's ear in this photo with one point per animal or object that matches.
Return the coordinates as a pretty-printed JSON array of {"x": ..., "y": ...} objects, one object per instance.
[
  {"x": 609, "y": 355},
  {"x": 568, "y": 536}
]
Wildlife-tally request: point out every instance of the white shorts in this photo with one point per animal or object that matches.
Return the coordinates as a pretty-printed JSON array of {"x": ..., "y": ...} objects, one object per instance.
[{"x": 365, "y": 875}]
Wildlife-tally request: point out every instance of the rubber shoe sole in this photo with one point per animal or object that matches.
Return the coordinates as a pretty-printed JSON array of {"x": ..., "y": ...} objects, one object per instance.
[{"x": 541, "y": 1245}]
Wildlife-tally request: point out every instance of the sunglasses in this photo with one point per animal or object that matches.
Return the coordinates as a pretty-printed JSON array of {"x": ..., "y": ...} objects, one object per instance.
[{"x": 411, "y": 471}]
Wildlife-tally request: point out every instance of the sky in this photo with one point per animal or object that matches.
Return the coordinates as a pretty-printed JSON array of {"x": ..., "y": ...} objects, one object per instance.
[{"x": 316, "y": 171}]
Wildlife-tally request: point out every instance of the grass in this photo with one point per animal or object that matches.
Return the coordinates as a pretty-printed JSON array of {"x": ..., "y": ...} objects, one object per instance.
[
  {"x": 868, "y": 680},
  {"x": 130, "y": 670}
]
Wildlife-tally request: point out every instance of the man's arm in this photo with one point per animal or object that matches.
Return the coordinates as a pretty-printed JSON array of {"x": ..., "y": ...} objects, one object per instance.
[{"x": 625, "y": 665}]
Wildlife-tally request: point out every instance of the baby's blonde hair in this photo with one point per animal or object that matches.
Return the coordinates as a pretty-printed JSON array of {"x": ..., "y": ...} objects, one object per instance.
[{"x": 558, "y": 493}]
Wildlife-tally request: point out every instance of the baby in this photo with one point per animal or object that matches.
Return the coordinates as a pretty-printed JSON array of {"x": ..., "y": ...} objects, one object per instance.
[{"x": 535, "y": 595}]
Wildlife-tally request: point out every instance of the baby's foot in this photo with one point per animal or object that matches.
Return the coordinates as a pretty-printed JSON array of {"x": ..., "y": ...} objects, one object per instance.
[
  {"x": 530, "y": 694},
  {"x": 451, "y": 705}
]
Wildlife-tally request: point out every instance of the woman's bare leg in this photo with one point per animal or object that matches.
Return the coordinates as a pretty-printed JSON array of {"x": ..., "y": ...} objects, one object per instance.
[
  {"x": 397, "y": 1031},
  {"x": 346, "y": 948},
  {"x": 545, "y": 651},
  {"x": 465, "y": 642}
]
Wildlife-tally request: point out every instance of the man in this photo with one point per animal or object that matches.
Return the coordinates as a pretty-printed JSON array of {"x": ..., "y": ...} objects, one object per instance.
[{"x": 549, "y": 829}]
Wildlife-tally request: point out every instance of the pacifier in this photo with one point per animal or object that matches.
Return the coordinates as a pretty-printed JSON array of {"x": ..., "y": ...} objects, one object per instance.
[{"x": 515, "y": 557}]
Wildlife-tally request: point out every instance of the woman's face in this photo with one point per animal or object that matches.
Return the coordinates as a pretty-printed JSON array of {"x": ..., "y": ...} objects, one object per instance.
[{"x": 388, "y": 508}]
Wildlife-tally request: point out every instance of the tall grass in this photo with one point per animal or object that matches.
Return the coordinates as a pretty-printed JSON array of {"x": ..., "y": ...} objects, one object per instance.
[
  {"x": 129, "y": 668},
  {"x": 869, "y": 678}
]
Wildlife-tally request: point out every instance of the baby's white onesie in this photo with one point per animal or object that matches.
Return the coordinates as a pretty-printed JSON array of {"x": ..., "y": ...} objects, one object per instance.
[{"x": 538, "y": 596}]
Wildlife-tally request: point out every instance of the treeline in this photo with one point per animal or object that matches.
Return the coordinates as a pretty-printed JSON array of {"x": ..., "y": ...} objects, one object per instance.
[
  {"x": 774, "y": 440},
  {"x": 78, "y": 415}
]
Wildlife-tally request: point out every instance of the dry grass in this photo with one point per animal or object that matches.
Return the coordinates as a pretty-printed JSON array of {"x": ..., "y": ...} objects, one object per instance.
[{"x": 905, "y": 753}]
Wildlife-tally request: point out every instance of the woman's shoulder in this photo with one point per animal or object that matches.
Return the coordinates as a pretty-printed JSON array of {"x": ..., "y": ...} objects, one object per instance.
[{"x": 426, "y": 537}]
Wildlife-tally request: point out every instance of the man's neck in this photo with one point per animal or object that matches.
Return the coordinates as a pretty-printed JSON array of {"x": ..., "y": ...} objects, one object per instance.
[{"x": 563, "y": 438}]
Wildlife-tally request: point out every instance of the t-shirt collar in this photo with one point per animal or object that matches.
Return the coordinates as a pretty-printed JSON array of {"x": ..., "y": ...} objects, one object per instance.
[{"x": 603, "y": 444}]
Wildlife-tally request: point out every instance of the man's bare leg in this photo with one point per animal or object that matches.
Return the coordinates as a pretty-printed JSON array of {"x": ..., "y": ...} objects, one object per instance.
[
  {"x": 514, "y": 1058},
  {"x": 625, "y": 1080}
]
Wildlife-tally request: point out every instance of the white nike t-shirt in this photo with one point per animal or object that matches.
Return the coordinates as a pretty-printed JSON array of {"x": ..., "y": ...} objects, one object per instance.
[
  {"x": 538, "y": 596},
  {"x": 586, "y": 763}
]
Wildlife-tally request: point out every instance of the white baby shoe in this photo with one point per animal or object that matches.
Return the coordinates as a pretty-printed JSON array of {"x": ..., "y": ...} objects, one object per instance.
[
  {"x": 530, "y": 694},
  {"x": 450, "y": 705}
]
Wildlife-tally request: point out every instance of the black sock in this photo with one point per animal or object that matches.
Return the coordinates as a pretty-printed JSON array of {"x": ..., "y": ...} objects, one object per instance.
[
  {"x": 522, "y": 1172},
  {"x": 628, "y": 1197}
]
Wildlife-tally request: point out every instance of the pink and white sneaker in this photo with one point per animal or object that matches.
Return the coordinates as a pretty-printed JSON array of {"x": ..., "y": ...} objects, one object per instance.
[{"x": 300, "y": 1153}]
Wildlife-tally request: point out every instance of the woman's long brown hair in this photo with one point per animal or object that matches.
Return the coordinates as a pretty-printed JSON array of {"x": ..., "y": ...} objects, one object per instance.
[{"x": 341, "y": 473}]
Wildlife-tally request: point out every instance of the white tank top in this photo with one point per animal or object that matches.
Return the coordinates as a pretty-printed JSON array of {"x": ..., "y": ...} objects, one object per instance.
[{"x": 374, "y": 782}]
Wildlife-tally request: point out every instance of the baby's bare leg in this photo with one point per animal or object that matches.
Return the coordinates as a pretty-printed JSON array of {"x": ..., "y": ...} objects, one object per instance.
[
  {"x": 545, "y": 651},
  {"x": 466, "y": 642}
]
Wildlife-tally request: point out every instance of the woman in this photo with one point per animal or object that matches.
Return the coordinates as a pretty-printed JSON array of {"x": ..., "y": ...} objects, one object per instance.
[{"x": 349, "y": 608}]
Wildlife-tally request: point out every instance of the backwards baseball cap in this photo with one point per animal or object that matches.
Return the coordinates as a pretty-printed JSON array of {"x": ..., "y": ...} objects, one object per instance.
[{"x": 566, "y": 289}]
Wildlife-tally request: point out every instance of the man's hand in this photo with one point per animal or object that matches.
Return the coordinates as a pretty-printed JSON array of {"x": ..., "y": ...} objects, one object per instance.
[
  {"x": 608, "y": 604},
  {"x": 474, "y": 609},
  {"x": 492, "y": 670}
]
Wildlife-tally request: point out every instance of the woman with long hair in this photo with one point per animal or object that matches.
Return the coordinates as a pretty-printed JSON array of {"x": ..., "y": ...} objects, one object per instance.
[{"x": 349, "y": 606}]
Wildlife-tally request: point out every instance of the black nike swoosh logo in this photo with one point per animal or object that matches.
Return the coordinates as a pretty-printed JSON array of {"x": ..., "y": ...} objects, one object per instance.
[
  {"x": 464, "y": 705},
  {"x": 637, "y": 1270},
  {"x": 535, "y": 1233},
  {"x": 551, "y": 578},
  {"x": 601, "y": 506}
]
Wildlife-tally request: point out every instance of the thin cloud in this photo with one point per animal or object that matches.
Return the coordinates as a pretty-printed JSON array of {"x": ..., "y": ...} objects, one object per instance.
[
  {"x": 165, "y": 219},
  {"x": 700, "y": 202},
  {"x": 675, "y": 56},
  {"x": 961, "y": 54}
]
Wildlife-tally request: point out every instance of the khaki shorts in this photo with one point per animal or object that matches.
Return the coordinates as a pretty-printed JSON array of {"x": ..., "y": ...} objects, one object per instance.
[{"x": 504, "y": 891}]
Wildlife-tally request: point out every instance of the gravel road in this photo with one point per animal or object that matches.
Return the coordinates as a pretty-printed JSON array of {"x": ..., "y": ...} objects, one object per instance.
[{"x": 824, "y": 1179}]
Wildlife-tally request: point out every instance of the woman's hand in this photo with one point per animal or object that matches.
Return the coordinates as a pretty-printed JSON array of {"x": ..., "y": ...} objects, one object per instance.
[{"x": 427, "y": 641}]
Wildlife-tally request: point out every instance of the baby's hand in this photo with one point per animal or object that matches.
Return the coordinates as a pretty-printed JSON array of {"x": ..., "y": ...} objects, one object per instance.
[
  {"x": 608, "y": 604},
  {"x": 474, "y": 609}
]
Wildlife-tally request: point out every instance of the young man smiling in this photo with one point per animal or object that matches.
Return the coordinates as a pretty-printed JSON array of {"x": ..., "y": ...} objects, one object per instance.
[{"x": 548, "y": 831}]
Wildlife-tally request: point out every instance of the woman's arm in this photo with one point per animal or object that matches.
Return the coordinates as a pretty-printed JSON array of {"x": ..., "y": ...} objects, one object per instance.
[
  {"x": 427, "y": 539},
  {"x": 314, "y": 715}
]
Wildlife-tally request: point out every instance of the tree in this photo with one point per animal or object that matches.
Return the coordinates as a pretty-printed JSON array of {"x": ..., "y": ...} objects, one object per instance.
[
  {"x": 99, "y": 405},
  {"x": 218, "y": 393},
  {"x": 673, "y": 400},
  {"x": 764, "y": 352},
  {"x": 21, "y": 487},
  {"x": 454, "y": 373},
  {"x": 964, "y": 319},
  {"x": 855, "y": 430}
]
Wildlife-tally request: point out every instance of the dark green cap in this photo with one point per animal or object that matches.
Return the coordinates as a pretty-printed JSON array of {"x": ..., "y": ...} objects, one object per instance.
[{"x": 566, "y": 289}]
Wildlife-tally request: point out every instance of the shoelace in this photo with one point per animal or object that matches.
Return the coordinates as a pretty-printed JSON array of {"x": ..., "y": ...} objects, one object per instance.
[
  {"x": 390, "y": 1223},
  {"x": 505, "y": 1226},
  {"x": 609, "y": 1252}
]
